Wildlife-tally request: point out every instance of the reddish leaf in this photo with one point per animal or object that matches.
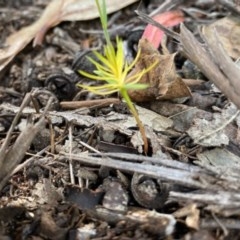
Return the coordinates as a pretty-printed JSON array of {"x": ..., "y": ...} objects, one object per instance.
[{"x": 168, "y": 19}]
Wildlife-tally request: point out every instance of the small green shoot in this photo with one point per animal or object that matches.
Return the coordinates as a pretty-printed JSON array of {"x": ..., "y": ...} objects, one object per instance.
[{"x": 113, "y": 70}]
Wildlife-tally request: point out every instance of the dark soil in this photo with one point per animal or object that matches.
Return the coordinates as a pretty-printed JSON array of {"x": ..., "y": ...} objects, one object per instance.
[{"x": 65, "y": 186}]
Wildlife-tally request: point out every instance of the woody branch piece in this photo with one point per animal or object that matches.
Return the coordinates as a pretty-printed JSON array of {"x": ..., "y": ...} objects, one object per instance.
[
  {"x": 215, "y": 64},
  {"x": 11, "y": 156}
]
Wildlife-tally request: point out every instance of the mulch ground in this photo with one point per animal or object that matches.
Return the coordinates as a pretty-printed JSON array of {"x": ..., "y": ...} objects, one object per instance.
[{"x": 72, "y": 163}]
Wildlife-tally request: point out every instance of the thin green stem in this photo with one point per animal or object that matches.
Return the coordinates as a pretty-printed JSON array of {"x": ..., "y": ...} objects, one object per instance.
[
  {"x": 102, "y": 9},
  {"x": 133, "y": 110}
]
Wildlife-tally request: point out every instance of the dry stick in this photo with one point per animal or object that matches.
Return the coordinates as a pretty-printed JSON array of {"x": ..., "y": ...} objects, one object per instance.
[
  {"x": 90, "y": 103},
  {"x": 14, "y": 155},
  {"x": 223, "y": 125},
  {"x": 149, "y": 20},
  {"x": 221, "y": 225},
  {"x": 229, "y": 223},
  {"x": 234, "y": 8},
  {"x": 70, "y": 155},
  {"x": 18, "y": 150},
  {"x": 225, "y": 198},
  {"x": 181, "y": 112},
  {"x": 201, "y": 57},
  {"x": 224, "y": 62},
  {"x": 89, "y": 147},
  {"x": 37, "y": 155},
  {"x": 166, "y": 6},
  {"x": 28, "y": 161},
  {"x": 161, "y": 161},
  {"x": 178, "y": 176},
  {"x": 6, "y": 142}
]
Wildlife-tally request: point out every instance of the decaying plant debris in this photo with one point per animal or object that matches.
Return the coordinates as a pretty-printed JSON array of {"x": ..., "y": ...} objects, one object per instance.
[{"x": 71, "y": 162}]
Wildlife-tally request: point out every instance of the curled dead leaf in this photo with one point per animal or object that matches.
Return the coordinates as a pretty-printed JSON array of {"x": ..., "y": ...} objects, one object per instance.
[
  {"x": 228, "y": 30},
  {"x": 163, "y": 81}
]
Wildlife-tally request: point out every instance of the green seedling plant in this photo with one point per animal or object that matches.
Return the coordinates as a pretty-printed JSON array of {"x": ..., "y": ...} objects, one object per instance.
[{"x": 112, "y": 69}]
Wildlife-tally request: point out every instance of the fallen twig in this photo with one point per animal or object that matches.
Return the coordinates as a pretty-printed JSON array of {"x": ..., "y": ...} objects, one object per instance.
[{"x": 11, "y": 156}]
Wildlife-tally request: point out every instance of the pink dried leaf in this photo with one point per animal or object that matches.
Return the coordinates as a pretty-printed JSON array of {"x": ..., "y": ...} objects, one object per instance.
[{"x": 168, "y": 19}]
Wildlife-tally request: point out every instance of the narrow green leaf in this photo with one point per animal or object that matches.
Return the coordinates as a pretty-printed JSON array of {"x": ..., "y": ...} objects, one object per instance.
[{"x": 136, "y": 86}]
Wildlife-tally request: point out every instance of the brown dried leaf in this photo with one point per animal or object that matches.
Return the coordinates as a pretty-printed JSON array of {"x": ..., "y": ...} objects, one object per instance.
[
  {"x": 73, "y": 10},
  {"x": 213, "y": 132},
  {"x": 220, "y": 161},
  {"x": 191, "y": 212},
  {"x": 49, "y": 229},
  {"x": 155, "y": 121},
  {"x": 192, "y": 220},
  {"x": 228, "y": 30},
  {"x": 163, "y": 81},
  {"x": 56, "y": 12}
]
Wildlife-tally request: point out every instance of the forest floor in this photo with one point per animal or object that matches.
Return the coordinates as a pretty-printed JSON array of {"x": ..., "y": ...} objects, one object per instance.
[{"x": 72, "y": 164}]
